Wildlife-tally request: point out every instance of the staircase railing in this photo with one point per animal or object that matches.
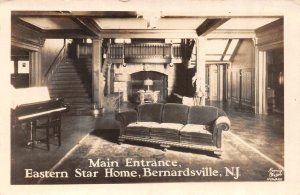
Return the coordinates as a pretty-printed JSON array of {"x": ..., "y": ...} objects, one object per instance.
[{"x": 52, "y": 68}]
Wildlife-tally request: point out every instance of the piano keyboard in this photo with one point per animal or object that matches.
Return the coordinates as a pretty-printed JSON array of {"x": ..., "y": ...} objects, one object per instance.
[{"x": 41, "y": 113}]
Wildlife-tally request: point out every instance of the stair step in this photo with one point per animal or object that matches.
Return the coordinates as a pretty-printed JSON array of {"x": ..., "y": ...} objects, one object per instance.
[
  {"x": 65, "y": 89},
  {"x": 66, "y": 70},
  {"x": 66, "y": 74},
  {"x": 78, "y": 99},
  {"x": 69, "y": 90},
  {"x": 73, "y": 94},
  {"x": 67, "y": 82},
  {"x": 66, "y": 65},
  {"x": 66, "y": 79},
  {"x": 62, "y": 79},
  {"x": 66, "y": 85},
  {"x": 77, "y": 81}
]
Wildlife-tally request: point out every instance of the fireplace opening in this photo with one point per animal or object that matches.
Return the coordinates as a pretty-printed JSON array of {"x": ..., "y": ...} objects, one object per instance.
[{"x": 148, "y": 81}]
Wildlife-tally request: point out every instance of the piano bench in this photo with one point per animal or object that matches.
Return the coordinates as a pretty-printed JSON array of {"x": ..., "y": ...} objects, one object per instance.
[{"x": 54, "y": 123}]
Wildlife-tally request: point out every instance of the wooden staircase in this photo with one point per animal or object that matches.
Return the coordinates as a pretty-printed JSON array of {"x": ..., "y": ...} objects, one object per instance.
[{"x": 72, "y": 81}]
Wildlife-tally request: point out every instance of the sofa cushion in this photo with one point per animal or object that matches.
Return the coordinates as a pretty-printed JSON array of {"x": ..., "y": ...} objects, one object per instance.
[
  {"x": 175, "y": 113},
  {"x": 142, "y": 124},
  {"x": 202, "y": 115},
  {"x": 192, "y": 130},
  {"x": 166, "y": 128},
  {"x": 150, "y": 112}
]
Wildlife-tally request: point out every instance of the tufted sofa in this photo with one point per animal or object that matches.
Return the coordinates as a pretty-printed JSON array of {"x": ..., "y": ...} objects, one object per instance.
[{"x": 171, "y": 124}]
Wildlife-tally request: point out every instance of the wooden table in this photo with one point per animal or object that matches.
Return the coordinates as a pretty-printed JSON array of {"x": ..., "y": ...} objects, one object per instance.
[{"x": 148, "y": 96}]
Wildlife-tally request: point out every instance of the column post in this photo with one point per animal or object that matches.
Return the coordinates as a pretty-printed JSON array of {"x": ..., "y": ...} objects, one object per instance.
[
  {"x": 97, "y": 74},
  {"x": 200, "y": 68},
  {"x": 108, "y": 79},
  {"x": 35, "y": 69},
  {"x": 260, "y": 80}
]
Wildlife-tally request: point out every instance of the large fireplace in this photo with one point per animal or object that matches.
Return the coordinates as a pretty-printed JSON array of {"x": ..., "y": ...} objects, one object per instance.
[
  {"x": 134, "y": 79},
  {"x": 137, "y": 83}
]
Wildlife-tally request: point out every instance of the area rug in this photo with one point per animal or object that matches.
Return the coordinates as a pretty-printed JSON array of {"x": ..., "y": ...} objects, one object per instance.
[{"x": 100, "y": 159}]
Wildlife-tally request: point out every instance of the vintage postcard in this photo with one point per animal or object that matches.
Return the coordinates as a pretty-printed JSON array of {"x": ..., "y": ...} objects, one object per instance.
[{"x": 178, "y": 94}]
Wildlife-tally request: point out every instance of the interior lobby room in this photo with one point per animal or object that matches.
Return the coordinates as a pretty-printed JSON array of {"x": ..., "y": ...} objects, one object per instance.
[{"x": 90, "y": 66}]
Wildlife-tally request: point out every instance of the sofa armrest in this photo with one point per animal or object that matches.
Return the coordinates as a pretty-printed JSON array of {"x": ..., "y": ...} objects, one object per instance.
[
  {"x": 126, "y": 117},
  {"x": 221, "y": 124}
]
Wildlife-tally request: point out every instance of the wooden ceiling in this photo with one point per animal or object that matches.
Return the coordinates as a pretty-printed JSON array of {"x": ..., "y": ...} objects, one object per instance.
[
  {"x": 223, "y": 33},
  {"x": 129, "y": 24}
]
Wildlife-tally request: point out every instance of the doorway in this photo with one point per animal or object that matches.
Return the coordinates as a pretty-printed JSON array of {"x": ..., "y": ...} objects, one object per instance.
[
  {"x": 275, "y": 80},
  {"x": 216, "y": 82}
]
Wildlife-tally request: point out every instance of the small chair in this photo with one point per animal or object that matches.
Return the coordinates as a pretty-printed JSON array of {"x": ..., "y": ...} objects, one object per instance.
[{"x": 52, "y": 122}]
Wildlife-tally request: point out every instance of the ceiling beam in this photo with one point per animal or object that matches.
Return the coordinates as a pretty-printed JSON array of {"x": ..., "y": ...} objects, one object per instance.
[
  {"x": 155, "y": 34},
  {"x": 133, "y": 14},
  {"x": 18, "y": 21},
  {"x": 100, "y": 14},
  {"x": 225, "y": 50},
  {"x": 231, "y": 34},
  {"x": 88, "y": 24},
  {"x": 235, "y": 50},
  {"x": 66, "y": 34},
  {"x": 209, "y": 25}
]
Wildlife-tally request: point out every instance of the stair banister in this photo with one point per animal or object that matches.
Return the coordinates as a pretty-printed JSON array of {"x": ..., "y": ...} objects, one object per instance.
[{"x": 57, "y": 60}]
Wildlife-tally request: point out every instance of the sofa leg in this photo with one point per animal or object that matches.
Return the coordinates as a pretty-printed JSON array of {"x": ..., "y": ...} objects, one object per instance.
[
  {"x": 217, "y": 153},
  {"x": 165, "y": 147}
]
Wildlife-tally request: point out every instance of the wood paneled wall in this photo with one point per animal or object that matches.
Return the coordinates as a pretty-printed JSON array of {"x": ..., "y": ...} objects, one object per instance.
[{"x": 242, "y": 74}]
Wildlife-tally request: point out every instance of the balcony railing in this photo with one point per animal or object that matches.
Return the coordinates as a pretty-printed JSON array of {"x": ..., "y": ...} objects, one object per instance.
[{"x": 144, "y": 53}]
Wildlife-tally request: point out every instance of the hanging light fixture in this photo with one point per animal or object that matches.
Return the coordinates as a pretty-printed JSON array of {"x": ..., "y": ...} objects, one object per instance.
[{"x": 151, "y": 17}]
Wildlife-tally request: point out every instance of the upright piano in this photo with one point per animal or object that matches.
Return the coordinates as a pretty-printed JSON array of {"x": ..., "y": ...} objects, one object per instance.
[{"x": 32, "y": 104}]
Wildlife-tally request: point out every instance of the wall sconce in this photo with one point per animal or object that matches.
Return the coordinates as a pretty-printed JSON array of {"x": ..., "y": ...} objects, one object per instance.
[
  {"x": 124, "y": 65},
  {"x": 280, "y": 78},
  {"x": 171, "y": 64}
]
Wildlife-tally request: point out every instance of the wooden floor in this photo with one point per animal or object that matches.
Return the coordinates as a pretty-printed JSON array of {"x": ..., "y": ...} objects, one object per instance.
[{"x": 263, "y": 134}]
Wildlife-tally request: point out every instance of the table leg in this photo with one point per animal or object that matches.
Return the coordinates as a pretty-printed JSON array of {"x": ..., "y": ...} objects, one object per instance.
[{"x": 31, "y": 139}]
